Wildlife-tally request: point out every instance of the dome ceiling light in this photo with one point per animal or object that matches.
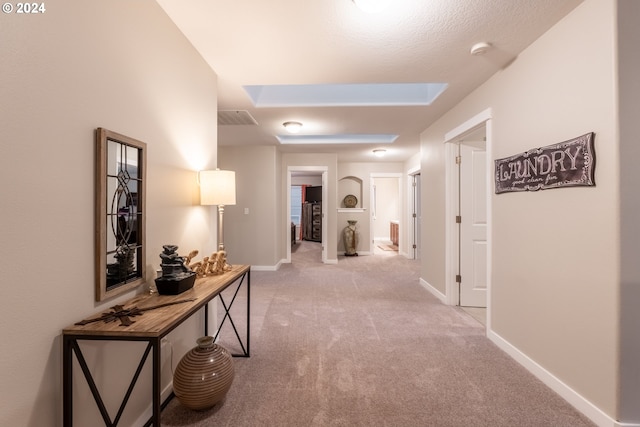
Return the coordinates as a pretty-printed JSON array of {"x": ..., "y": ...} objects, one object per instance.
[
  {"x": 480, "y": 48},
  {"x": 292, "y": 127}
]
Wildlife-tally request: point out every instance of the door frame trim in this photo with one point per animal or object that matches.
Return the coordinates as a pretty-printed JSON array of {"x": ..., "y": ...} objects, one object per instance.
[
  {"x": 325, "y": 198},
  {"x": 484, "y": 118},
  {"x": 372, "y": 198},
  {"x": 413, "y": 206}
]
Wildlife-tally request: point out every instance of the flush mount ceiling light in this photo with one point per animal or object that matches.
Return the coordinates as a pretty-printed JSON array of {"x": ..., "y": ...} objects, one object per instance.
[
  {"x": 292, "y": 127},
  {"x": 480, "y": 48},
  {"x": 372, "y": 6},
  {"x": 379, "y": 152}
]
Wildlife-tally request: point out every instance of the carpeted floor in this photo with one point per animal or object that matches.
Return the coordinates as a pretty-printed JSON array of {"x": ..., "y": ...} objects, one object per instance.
[{"x": 361, "y": 343}]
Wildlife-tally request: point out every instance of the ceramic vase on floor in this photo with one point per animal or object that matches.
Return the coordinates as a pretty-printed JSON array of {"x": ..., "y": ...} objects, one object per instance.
[
  {"x": 350, "y": 239},
  {"x": 203, "y": 375}
]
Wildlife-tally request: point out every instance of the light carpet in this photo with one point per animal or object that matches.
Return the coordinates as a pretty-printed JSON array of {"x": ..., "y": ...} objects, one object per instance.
[{"x": 361, "y": 343}]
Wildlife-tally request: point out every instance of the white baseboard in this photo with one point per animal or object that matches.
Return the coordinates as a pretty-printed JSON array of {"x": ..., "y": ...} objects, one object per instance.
[
  {"x": 164, "y": 394},
  {"x": 279, "y": 264},
  {"x": 587, "y": 408},
  {"x": 268, "y": 267},
  {"x": 442, "y": 297}
]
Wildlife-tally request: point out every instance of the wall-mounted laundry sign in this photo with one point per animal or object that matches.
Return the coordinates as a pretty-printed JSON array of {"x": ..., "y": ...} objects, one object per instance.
[{"x": 567, "y": 164}]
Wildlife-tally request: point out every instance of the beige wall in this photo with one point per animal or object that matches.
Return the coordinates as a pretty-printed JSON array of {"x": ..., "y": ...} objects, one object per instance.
[
  {"x": 555, "y": 281},
  {"x": 348, "y": 175},
  {"x": 251, "y": 238},
  {"x": 116, "y": 64},
  {"x": 82, "y": 65}
]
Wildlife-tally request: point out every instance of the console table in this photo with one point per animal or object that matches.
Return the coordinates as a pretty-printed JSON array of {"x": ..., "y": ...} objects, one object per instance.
[{"x": 151, "y": 327}]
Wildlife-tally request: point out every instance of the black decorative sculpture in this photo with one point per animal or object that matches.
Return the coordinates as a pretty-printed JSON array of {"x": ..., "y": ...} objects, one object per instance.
[{"x": 176, "y": 276}]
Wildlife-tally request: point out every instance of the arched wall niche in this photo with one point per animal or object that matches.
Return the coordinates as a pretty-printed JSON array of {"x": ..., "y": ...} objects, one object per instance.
[{"x": 350, "y": 185}]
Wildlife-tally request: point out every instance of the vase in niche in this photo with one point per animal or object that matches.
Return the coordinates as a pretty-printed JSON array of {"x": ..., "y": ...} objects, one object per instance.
[
  {"x": 350, "y": 238},
  {"x": 204, "y": 375}
]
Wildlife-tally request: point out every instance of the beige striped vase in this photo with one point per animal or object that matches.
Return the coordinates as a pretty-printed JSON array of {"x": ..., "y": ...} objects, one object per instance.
[{"x": 203, "y": 375}]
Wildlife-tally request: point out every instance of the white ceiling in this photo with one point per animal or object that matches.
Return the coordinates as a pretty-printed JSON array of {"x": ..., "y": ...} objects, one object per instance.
[{"x": 290, "y": 42}]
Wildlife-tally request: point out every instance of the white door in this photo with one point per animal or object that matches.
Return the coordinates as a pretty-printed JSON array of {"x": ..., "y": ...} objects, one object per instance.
[
  {"x": 473, "y": 225},
  {"x": 385, "y": 196},
  {"x": 417, "y": 216}
]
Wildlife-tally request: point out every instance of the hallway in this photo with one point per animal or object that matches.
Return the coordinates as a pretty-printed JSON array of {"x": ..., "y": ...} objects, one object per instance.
[{"x": 361, "y": 343}]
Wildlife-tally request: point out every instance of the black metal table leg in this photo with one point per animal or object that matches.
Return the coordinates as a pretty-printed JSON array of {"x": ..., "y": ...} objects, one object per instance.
[
  {"x": 67, "y": 382},
  {"x": 157, "y": 368},
  {"x": 248, "y": 310},
  {"x": 206, "y": 319}
]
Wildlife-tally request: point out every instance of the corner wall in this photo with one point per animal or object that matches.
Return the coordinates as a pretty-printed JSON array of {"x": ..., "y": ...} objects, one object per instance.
[
  {"x": 80, "y": 65},
  {"x": 249, "y": 234},
  {"x": 363, "y": 171},
  {"x": 555, "y": 282}
]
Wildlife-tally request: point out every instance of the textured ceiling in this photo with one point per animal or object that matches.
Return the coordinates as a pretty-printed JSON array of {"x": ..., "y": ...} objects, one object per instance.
[{"x": 286, "y": 42}]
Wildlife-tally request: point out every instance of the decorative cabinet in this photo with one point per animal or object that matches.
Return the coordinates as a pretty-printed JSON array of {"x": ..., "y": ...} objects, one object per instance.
[
  {"x": 394, "y": 232},
  {"x": 312, "y": 221}
]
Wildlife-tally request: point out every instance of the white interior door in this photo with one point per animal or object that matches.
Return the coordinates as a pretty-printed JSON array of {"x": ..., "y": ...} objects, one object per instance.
[
  {"x": 417, "y": 216},
  {"x": 473, "y": 225},
  {"x": 386, "y": 199}
]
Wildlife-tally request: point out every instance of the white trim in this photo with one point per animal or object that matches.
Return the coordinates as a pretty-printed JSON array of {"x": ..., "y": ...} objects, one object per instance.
[
  {"x": 567, "y": 393},
  {"x": 414, "y": 171},
  {"x": 269, "y": 267},
  {"x": 325, "y": 216},
  {"x": 372, "y": 200},
  {"x": 451, "y": 205},
  {"x": 146, "y": 414},
  {"x": 489, "y": 150},
  {"x": 473, "y": 122},
  {"x": 350, "y": 210},
  {"x": 450, "y": 227},
  {"x": 410, "y": 209},
  {"x": 433, "y": 290}
]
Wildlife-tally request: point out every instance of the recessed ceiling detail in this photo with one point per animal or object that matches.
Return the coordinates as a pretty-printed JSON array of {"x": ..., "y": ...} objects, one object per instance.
[
  {"x": 235, "y": 117},
  {"x": 337, "y": 139},
  {"x": 344, "y": 95}
]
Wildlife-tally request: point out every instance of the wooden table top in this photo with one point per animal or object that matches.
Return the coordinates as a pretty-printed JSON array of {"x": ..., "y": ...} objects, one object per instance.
[{"x": 159, "y": 321}]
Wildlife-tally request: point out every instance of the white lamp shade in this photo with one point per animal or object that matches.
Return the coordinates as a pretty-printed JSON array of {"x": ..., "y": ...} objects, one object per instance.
[{"x": 217, "y": 187}]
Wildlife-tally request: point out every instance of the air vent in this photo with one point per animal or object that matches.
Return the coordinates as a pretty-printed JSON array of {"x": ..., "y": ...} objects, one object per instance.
[{"x": 235, "y": 118}]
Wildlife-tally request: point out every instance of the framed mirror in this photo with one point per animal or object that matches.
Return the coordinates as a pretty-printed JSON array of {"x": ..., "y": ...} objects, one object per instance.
[{"x": 121, "y": 165}]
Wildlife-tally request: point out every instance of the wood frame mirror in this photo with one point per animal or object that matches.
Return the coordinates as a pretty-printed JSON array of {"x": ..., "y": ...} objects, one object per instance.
[{"x": 121, "y": 166}]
